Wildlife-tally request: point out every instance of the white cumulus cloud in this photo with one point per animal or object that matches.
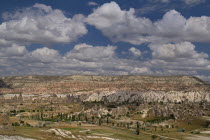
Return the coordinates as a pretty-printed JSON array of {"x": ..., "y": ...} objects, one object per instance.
[
  {"x": 43, "y": 55},
  {"x": 193, "y": 2},
  {"x": 180, "y": 56},
  {"x": 41, "y": 24},
  {"x": 92, "y": 3},
  {"x": 89, "y": 53},
  {"x": 13, "y": 51},
  {"x": 122, "y": 25},
  {"x": 135, "y": 51}
]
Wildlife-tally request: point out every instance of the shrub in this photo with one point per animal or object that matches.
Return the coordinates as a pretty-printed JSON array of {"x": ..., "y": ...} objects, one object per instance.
[
  {"x": 181, "y": 130},
  {"x": 15, "y": 124},
  {"x": 207, "y": 124},
  {"x": 154, "y": 137},
  {"x": 28, "y": 125},
  {"x": 22, "y": 111},
  {"x": 128, "y": 114},
  {"x": 195, "y": 132}
]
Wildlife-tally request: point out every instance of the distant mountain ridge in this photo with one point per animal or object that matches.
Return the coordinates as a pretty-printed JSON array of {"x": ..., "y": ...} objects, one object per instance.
[
  {"x": 103, "y": 78},
  {"x": 111, "y": 89},
  {"x": 77, "y": 83}
]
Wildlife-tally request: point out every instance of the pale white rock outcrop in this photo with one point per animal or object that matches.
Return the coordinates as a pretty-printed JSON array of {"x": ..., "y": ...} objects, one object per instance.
[{"x": 149, "y": 96}]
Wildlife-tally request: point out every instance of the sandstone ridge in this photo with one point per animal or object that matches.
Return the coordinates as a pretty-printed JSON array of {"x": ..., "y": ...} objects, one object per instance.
[{"x": 34, "y": 84}]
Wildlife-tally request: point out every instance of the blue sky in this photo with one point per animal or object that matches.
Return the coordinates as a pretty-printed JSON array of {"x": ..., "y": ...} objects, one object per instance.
[{"x": 104, "y": 37}]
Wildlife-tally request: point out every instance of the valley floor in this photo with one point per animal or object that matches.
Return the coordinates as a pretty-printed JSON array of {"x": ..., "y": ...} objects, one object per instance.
[{"x": 68, "y": 131}]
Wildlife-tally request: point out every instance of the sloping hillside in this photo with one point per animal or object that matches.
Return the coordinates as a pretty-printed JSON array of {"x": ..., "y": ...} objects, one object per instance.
[{"x": 80, "y": 83}]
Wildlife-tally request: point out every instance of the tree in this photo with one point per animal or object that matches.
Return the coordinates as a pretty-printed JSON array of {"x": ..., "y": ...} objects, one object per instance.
[
  {"x": 128, "y": 114},
  {"x": 42, "y": 116},
  {"x": 107, "y": 120},
  {"x": 128, "y": 125},
  {"x": 93, "y": 119},
  {"x": 79, "y": 117},
  {"x": 137, "y": 128},
  {"x": 86, "y": 118},
  {"x": 99, "y": 121},
  {"x": 161, "y": 128},
  {"x": 112, "y": 123},
  {"x": 73, "y": 118},
  {"x": 131, "y": 123},
  {"x": 61, "y": 115},
  {"x": 66, "y": 116},
  {"x": 52, "y": 116},
  {"x": 155, "y": 128}
]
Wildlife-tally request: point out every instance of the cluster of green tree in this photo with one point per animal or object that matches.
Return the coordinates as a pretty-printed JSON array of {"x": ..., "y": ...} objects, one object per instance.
[
  {"x": 15, "y": 112},
  {"x": 106, "y": 120},
  {"x": 21, "y": 123},
  {"x": 161, "y": 119}
]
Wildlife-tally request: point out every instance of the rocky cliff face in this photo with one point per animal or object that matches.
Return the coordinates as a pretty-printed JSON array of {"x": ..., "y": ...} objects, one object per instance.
[
  {"x": 147, "y": 96},
  {"x": 112, "y": 89},
  {"x": 121, "y": 97}
]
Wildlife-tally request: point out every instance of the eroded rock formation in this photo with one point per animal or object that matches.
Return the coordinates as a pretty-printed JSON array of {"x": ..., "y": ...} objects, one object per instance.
[{"x": 111, "y": 89}]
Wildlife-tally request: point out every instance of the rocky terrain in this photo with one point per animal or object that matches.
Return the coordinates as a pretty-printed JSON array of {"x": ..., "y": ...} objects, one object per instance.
[
  {"x": 4, "y": 137},
  {"x": 77, "y": 83},
  {"x": 117, "y": 89},
  {"x": 34, "y": 103}
]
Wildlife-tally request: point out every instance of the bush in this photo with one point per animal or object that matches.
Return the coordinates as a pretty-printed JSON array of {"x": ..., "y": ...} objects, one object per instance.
[
  {"x": 128, "y": 114},
  {"x": 28, "y": 125},
  {"x": 154, "y": 137},
  {"x": 88, "y": 132},
  {"x": 195, "y": 132},
  {"x": 158, "y": 119},
  {"x": 15, "y": 124},
  {"x": 22, "y": 111},
  {"x": 181, "y": 130},
  {"x": 207, "y": 124}
]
